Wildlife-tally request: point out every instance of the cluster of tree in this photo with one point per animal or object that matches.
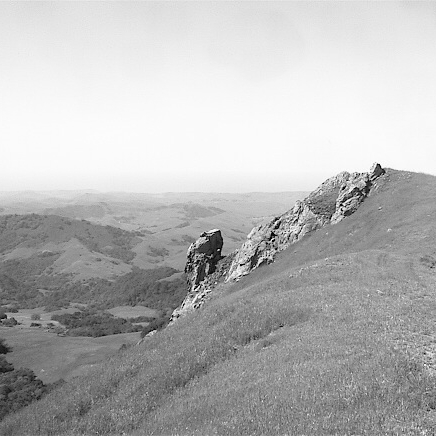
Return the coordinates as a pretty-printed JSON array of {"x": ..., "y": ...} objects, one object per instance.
[
  {"x": 145, "y": 287},
  {"x": 94, "y": 323},
  {"x": 156, "y": 324},
  {"x": 5, "y": 321},
  {"x": 18, "y": 387},
  {"x": 157, "y": 252},
  {"x": 21, "y": 279},
  {"x": 148, "y": 287},
  {"x": 9, "y": 322},
  {"x": 142, "y": 318},
  {"x": 34, "y": 229}
]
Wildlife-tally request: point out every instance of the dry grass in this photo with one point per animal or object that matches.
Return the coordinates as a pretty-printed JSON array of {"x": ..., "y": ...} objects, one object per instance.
[
  {"x": 329, "y": 340},
  {"x": 133, "y": 311},
  {"x": 52, "y": 357}
]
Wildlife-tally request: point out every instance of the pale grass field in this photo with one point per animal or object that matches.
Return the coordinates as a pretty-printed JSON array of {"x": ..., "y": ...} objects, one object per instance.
[
  {"x": 133, "y": 311},
  {"x": 53, "y": 357}
]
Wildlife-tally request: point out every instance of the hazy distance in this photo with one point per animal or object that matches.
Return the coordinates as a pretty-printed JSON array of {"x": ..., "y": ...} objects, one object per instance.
[{"x": 213, "y": 96}]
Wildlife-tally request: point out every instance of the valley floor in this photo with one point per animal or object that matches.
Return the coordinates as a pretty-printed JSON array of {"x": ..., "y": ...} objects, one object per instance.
[{"x": 52, "y": 357}]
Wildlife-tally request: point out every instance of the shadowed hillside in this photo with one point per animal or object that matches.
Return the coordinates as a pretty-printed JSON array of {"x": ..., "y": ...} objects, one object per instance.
[
  {"x": 52, "y": 260},
  {"x": 335, "y": 337}
]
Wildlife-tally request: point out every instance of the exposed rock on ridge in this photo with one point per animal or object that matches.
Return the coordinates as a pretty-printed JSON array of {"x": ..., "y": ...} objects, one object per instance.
[
  {"x": 202, "y": 259},
  {"x": 335, "y": 199},
  {"x": 203, "y": 256},
  {"x": 354, "y": 191}
]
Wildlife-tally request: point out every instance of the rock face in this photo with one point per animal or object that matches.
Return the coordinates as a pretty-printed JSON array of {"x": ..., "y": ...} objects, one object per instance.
[
  {"x": 203, "y": 256},
  {"x": 202, "y": 259},
  {"x": 354, "y": 191},
  {"x": 335, "y": 199}
]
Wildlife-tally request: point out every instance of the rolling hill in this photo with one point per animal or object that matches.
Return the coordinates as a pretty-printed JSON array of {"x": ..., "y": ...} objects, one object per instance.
[
  {"x": 52, "y": 260},
  {"x": 165, "y": 223},
  {"x": 336, "y": 336},
  {"x": 87, "y": 247}
]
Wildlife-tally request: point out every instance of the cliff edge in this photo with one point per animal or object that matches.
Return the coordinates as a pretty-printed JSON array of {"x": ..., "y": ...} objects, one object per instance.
[
  {"x": 335, "y": 199},
  {"x": 201, "y": 265}
]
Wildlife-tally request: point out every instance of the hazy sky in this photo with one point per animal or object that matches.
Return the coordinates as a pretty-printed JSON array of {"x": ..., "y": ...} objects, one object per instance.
[{"x": 213, "y": 96}]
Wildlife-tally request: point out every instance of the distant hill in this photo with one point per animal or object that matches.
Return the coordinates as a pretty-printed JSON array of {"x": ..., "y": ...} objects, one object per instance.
[
  {"x": 166, "y": 223},
  {"x": 52, "y": 260},
  {"x": 336, "y": 336},
  {"x": 94, "y": 247}
]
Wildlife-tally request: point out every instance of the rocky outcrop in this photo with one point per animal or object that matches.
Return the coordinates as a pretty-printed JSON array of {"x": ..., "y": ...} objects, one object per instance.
[
  {"x": 264, "y": 241},
  {"x": 354, "y": 191},
  {"x": 203, "y": 256},
  {"x": 335, "y": 199},
  {"x": 201, "y": 269},
  {"x": 330, "y": 203}
]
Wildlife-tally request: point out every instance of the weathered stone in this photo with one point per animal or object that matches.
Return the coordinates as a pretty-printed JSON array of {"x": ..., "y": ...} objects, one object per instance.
[
  {"x": 203, "y": 255},
  {"x": 376, "y": 171},
  {"x": 264, "y": 241},
  {"x": 202, "y": 259},
  {"x": 332, "y": 201},
  {"x": 354, "y": 191}
]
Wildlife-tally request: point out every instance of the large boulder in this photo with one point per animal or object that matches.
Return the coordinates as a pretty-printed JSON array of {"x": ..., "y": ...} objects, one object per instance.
[
  {"x": 354, "y": 191},
  {"x": 203, "y": 256},
  {"x": 202, "y": 259},
  {"x": 332, "y": 201}
]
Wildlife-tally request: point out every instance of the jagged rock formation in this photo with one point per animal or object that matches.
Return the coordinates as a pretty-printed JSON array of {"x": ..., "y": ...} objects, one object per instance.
[
  {"x": 354, "y": 191},
  {"x": 203, "y": 256},
  {"x": 332, "y": 201},
  {"x": 202, "y": 259},
  {"x": 335, "y": 199}
]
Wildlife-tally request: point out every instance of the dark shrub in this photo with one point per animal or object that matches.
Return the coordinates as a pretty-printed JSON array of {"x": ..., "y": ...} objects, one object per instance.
[{"x": 156, "y": 324}]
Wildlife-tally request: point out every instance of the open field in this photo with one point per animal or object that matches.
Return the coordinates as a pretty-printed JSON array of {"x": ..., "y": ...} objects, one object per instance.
[
  {"x": 133, "y": 312},
  {"x": 24, "y": 316},
  {"x": 53, "y": 357}
]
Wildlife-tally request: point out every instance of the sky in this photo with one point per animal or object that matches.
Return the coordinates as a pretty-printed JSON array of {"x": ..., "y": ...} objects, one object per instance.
[{"x": 213, "y": 96}]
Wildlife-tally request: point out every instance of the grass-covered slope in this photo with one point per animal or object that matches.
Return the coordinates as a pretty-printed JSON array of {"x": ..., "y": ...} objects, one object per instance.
[
  {"x": 32, "y": 231},
  {"x": 166, "y": 223},
  {"x": 48, "y": 260},
  {"x": 336, "y": 337}
]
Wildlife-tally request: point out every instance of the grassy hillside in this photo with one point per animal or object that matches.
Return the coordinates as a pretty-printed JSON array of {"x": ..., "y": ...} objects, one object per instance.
[
  {"x": 335, "y": 337},
  {"x": 53, "y": 357},
  {"x": 165, "y": 223},
  {"x": 32, "y": 230},
  {"x": 59, "y": 248},
  {"x": 48, "y": 260}
]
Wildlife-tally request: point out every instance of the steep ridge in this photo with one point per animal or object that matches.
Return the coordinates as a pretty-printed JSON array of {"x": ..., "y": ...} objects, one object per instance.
[{"x": 337, "y": 198}]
